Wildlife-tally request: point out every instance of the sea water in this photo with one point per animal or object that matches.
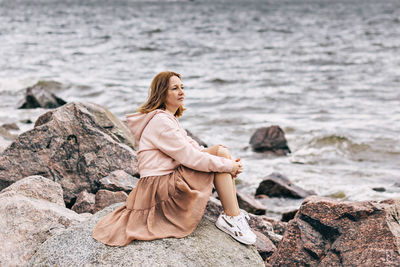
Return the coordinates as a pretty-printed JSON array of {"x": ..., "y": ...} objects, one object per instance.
[{"x": 327, "y": 72}]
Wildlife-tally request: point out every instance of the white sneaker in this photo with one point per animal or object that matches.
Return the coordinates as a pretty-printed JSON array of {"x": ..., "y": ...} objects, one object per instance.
[{"x": 237, "y": 227}]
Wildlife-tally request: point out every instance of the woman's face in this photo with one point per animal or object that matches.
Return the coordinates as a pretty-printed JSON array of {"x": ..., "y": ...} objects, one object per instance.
[{"x": 175, "y": 94}]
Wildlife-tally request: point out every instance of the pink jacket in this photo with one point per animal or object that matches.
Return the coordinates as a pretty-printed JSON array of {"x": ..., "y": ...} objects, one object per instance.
[{"x": 164, "y": 145}]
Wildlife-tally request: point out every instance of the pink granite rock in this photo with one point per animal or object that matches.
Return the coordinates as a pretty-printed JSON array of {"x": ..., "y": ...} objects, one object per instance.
[
  {"x": 85, "y": 202},
  {"x": 75, "y": 145},
  {"x": 326, "y": 232},
  {"x": 105, "y": 198}
]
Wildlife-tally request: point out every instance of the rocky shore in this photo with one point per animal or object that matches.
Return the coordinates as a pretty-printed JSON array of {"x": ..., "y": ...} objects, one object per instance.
[{"x": 79, "y": 163}]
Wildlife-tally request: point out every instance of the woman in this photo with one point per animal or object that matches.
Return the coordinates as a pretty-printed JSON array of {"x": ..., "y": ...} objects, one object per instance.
[{"x": 177, "y": 176}]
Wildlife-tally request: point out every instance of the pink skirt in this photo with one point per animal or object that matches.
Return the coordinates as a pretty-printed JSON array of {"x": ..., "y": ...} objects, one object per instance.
[{"x": 170, "y": 205}]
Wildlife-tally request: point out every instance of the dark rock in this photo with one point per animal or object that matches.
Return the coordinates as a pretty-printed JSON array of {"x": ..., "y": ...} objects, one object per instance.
[
  {"x": 38, "y": 96},
  {"x": 379, "y": 189},
  {"x": 85, "y": 202},
  {"x": 326, "y": 232},
  {"x": 277, "y": 185},
  {"x": 213, "y": 209},
  {"x": 270, "y": 139},
  {"x": 264, "y": 245},
  {"x": 105, "y": 198},
  {"x": 262, "y": 224},
  {"x": 198, "y": 140},
  {"x": 10, "y": 126},
  {"x": 6, "y": 138},
  {"x": 287, "y": 216},
  {"x": 249, "y": 204},
  {"x": 70, "y": 146},
  {"x": 118, "y": 180},
  {"x": 206, "y": 246},
  {"x": 27, "y": 121},
  {"x": 278, "y": 226},
  {"x": 4, "y": 132}
]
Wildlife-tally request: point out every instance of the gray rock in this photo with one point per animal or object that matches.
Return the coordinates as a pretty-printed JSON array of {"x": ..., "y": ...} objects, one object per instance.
[
  {"x": 6, "y": 138},
  {"x": 37, "y": 187},
  {"x": 113, "y": 125},
  {"x": 206, "y": 246},
  {"x": 5, "y": 133},
  {"x": 270, "y": 139},
  {"x": 105, "y": 198},
  {"x": 379, "y": 189},
  {"x": 250, "y": 204},
  {"x": 85, "y": 203},
  {"x": 195, "y": 138},
  {"x": 278, "y": 227},
  {"x": 118, "y": 180},
  {"x": 72, "y": 145},
  {"x": 262, "y": 224},
  {"x": 31, "y": 210},
  {"x": 4, "y": 143},
  {"x": 264, "y": 245},
  {"x": 213, "y": 209},
  {"x": 10, "y": 126},
  {"x": 38, "y": 96},
  {"x": 277, "y": 185}
]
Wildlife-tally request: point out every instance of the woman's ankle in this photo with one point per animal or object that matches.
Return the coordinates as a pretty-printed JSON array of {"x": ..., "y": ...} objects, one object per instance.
[{"x": 232, "y": 214}]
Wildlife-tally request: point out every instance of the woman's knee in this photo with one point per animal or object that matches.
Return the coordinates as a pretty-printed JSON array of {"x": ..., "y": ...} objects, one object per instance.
[{"x": 223, "y": 152}]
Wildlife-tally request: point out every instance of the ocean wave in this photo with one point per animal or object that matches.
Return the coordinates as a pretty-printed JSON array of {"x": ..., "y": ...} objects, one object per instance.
[
  {"x": 342, "y": 144},
  {"x": 152, "y": 31},
  {"x": 338, "y": 149},
  {"x": 221, "y": 81},
  {"x": 14, "y": 85},
  {"x": 148, "y": 48},
  {"x": 330, "y": 140}
]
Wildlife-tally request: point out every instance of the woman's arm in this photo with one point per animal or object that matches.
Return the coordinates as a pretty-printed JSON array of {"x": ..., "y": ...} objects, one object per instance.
[
  {"x": 172, "y": 142},
  {"x": 193, "y": 142}
]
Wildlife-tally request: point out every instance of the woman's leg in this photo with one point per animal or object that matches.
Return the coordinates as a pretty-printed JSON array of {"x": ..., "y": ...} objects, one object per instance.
[{"x": 225, "y": 185}]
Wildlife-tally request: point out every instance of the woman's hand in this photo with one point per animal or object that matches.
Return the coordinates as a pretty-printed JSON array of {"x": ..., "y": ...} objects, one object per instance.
[{"x": 237, "y": 168}]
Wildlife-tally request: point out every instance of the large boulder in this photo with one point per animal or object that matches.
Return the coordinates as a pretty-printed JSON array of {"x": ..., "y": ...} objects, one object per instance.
[
  {"x": 277, "y": 185},
  {"x": 206, "y": 246},
  {"x": 31, "y": 210},
  {"x": 75, "y": 145},
  {"x": 326, "y": 232},
  {"x": 39, "y": 96},
  {"x": 270, "y": 139}
]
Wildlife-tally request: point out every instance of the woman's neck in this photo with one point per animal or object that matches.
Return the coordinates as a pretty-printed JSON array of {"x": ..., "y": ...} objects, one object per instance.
[{"x": 171, "y": 110}]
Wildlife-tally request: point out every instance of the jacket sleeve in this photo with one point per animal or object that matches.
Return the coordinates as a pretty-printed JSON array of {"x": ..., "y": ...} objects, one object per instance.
[
  {"x": 172, "y": 142},
  {"x": 193, "y": 142}
]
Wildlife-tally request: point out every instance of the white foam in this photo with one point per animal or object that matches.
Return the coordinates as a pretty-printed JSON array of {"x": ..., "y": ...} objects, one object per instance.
[{"x": 12, "y": 84}]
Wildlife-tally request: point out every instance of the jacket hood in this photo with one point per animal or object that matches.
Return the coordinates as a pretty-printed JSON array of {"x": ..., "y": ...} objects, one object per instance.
[{"x": 136, "y": 122}]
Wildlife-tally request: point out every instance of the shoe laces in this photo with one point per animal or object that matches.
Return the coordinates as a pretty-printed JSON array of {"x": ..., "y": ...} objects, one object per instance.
[
  {"x": 245, "y": 215},
  {"x": 242, "y": 223}
]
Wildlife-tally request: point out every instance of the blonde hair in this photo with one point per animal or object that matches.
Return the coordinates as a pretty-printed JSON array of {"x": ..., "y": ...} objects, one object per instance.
[{"x": 158, "y": 93}]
